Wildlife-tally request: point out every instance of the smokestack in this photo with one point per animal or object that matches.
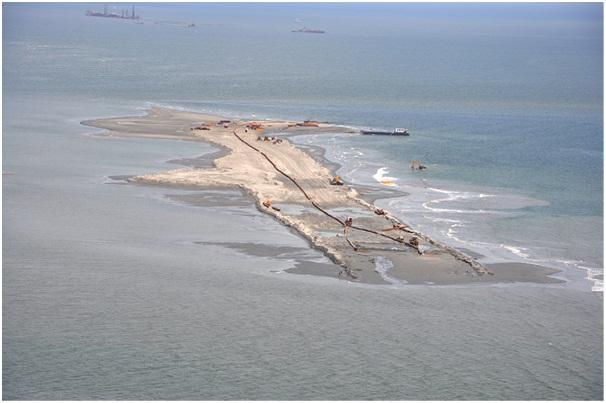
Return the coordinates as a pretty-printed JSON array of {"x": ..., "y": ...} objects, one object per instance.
[
  {"x": 133, "y": 16},
  {"x": 105, "y": 9}
]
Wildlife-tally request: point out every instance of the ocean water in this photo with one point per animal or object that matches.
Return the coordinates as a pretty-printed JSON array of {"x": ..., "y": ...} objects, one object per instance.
[{"x": 113, "y": 291}]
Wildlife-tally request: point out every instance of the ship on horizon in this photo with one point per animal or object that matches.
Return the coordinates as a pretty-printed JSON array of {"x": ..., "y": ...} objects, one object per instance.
[
  {"x": 310, "y": 31},
  {"x": 106, "y": 14}
]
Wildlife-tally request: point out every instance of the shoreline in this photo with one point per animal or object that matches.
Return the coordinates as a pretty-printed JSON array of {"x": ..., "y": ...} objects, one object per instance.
[{"x": 376, "y": 248}]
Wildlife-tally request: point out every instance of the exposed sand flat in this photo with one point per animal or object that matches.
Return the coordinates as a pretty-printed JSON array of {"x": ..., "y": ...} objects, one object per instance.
[{"x": 301, "y": 197}]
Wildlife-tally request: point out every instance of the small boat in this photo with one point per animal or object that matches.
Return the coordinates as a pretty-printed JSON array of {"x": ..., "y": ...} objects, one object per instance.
[{"x": 396, "y": 132}]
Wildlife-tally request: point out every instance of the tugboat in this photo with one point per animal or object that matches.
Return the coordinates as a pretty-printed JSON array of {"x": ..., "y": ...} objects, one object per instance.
[{"x": 396, "y": 132}]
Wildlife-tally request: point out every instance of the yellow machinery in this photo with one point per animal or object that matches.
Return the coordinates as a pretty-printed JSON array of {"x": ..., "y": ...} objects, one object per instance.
[
  {"x": 415, "y": 162},
  {"x": 336, "y": 180}
]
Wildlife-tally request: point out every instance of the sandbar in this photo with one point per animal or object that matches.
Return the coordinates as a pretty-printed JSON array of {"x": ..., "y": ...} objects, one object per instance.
[{"x": 293, "y": 186}]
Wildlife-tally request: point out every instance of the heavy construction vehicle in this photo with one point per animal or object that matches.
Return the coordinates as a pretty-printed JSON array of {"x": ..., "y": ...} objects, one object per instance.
[
  {"x": 421, "y": 166},
  {"x": 336, "y": 181}
]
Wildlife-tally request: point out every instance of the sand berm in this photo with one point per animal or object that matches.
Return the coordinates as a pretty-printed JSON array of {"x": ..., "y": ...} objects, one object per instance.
[{"x": 293, "y": 186}]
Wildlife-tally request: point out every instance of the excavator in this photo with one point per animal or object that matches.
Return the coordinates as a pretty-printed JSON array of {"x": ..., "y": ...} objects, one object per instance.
[
  {"x": 421, "y": 166},
  {"x": 414, "y": 241},
  {"x": 336, "y": 181}
]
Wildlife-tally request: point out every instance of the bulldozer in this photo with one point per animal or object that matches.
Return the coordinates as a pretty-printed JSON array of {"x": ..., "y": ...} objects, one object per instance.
[
  {"x": 421, "y": 166},
  {"x": 336, "y": 181}
]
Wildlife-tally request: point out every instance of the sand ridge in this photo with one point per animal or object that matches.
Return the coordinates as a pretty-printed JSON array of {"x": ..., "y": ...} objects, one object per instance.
[{"x": 279, "y": 175}]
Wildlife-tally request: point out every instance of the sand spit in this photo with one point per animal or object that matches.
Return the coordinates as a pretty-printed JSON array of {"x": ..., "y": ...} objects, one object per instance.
[{"x": 294, "y": 187}]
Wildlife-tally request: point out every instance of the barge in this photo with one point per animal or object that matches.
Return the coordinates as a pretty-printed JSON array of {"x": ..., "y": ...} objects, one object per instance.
[
  {"x": 310, "y": 31},
  {"x": 396, "y": 132}
]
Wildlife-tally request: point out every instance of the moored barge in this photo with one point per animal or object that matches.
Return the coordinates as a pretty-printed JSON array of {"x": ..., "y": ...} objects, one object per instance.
[{"x": 396, "y": 132}]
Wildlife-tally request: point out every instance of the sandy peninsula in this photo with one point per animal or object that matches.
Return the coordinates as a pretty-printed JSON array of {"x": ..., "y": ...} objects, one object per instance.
[{"x": 293, "y": 186}]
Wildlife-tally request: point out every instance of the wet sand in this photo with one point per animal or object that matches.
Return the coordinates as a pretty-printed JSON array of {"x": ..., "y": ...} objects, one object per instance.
[{"x": 296, "y": 183}]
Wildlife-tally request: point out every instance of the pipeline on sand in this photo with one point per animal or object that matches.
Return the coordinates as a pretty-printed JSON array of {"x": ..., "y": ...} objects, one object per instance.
[
  {"x": 293, "y": 180},
  {"x": 458, "y": 255}
]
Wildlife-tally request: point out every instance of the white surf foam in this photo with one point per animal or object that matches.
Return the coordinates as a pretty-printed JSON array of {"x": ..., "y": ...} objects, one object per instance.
[
  {"x": 381, "y": 175},
  {"x": 382, "y": 265}
]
